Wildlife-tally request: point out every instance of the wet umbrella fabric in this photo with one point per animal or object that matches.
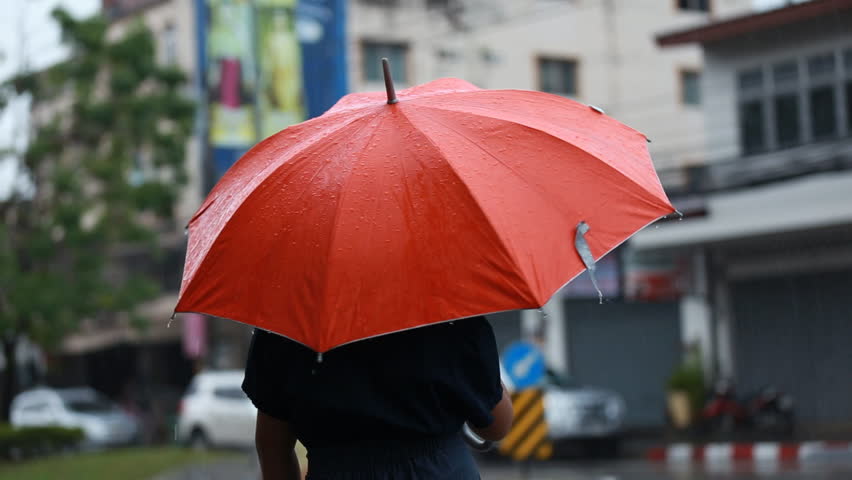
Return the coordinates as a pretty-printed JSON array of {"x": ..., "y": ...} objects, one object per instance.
[{"x": 451, "y": 203}]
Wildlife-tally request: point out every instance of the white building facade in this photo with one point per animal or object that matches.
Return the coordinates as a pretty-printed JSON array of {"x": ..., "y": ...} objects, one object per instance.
[
  {"x": 770, "y": 297},
  {"x": 599, "y": 52}
]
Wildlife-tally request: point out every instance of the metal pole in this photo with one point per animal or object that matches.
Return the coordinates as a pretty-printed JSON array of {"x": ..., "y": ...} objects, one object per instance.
[
  {"x": 257, "y": 76},
  {"x": 389, "y": 82}
]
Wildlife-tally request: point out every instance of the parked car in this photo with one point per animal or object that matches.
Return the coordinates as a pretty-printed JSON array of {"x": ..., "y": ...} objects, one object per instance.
[
  {"x": 102, "y": 421},
  {"x": 215, "y": 412},
  {"x": 588, "y": 416}
]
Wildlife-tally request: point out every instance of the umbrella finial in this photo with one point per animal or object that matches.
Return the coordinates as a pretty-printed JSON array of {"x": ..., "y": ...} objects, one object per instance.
[{"x": 389, "y": 82}]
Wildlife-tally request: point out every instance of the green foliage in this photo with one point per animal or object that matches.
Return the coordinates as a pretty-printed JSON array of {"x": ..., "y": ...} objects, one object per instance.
[
  {"x": 107, "y": 163},
  {"x": 28, "y": 442},
  {"x": 124, "y": 464},
  {"x": 689, "y": 378}
]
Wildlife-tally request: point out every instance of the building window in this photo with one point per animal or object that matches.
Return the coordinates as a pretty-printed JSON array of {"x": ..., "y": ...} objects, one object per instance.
[
  {"x": 371, "y": 58},
  {"x": 785, "y": 103},
  {"x": 752, "y": 127},
  {"x": 823, "y": 113},
  {"x": 821, "y": 96},
  {"x": 795, "y": 101},
  {"x": 557, "y": 76},
  {"x": 849, "y": 106},
  {"x": 847, "y": 61},
  {"x": 694, "y": 5},
  {"x": 752, "y": 122},
  {"x": 169, "y": 44},
  {"x": 690, "y": 87}
]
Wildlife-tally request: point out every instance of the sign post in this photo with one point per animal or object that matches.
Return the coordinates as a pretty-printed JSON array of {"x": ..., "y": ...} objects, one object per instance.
[{"x": 528, "y": 438}]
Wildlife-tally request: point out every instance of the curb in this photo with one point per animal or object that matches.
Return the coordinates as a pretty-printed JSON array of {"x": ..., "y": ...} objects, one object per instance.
[{"x": 758, "y": 452}]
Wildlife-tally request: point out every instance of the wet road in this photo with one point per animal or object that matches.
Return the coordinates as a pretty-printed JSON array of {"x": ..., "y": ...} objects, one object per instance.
[
  {"x": 819, "y": 469},
  {"x": 643, "y": 470}
]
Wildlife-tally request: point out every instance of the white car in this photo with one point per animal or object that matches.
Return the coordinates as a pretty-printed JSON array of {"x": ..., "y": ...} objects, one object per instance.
[
  {"x": 578, "y": 413},
  {"x": 216, "y": 412},
  {"x": 102, "y": 421}
]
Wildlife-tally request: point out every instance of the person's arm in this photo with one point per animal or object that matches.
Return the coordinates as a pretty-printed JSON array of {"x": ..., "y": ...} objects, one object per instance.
[
  {"x": 503, "y": 416},
  {"x": 275, "y": 443}
]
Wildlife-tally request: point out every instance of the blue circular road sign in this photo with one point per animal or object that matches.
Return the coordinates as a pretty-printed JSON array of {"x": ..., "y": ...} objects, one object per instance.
[{"x": 524, "y": 363}]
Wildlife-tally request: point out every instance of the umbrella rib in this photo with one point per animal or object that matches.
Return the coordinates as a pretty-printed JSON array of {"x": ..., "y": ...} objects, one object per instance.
[
  {"x": 335, "y": 220},
  {"x": 320, "y": 170},
  {"x": 269, "y": 174},
  {"x": 215, "y": 193},
  {"x": 496, "y": 158},
  {"x": 514, "y": 171},
  {"x": 542, "y": 194},
  {"x": 610, "y": 167},
  {"x": 528, "y": 294}
]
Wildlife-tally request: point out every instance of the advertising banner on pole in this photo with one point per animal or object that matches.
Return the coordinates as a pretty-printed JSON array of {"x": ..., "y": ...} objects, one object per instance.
[
  {"x": 281, "y": 99},
  {"x": 230, "y": 73},
  {"x": 267, "y": 64},
  {"x": 322, "y": 33}
]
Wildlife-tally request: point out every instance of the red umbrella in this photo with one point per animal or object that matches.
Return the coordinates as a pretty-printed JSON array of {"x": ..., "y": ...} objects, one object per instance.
[{"x": 384, "y": 215}]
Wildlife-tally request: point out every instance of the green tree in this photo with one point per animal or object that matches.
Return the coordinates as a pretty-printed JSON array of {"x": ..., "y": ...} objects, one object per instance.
[{"x": 105, "y": 162}]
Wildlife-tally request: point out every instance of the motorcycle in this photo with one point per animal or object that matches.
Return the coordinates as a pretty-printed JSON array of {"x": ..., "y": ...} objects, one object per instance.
[
  {"x": 769, "y": 411},
  {"x": 772, "y": 411}
]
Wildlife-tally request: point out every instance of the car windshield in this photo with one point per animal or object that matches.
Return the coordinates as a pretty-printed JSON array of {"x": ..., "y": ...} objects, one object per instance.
[
  {"x": 87, "y": 402},
  {"x": 560, "y": 380}
]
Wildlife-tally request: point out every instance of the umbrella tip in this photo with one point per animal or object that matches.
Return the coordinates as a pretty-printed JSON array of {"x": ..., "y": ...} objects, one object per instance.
[
  {"x": 389, "y": 82},
  {"x": 597, "y": 109}
]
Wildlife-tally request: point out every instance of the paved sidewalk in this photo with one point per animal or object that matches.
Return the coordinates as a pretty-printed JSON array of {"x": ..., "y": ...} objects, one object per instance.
[
  {"x": 750, "y": 452},
  {"x": 244, "y": 469},
  {"x": 239, "y": 468}
]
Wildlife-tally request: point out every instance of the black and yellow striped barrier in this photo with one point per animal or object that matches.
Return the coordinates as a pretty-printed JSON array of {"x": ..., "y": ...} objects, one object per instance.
[{"x": 528, "y": 437}]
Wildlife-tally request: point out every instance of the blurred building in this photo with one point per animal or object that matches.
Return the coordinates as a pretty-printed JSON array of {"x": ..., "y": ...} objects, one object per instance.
[
  {"x": 147, "y": 369},
  {"x": 242, "y": 60},
  {"x": 736, "y": 153},
  {"x": 770, "y": 298},
  {"x": 598, "y": 52},
  {"x": 601, "y": 53}
]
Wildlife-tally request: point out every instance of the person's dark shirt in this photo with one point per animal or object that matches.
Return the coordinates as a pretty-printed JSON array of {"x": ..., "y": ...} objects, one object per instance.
[{"x": 422, "y": 382}]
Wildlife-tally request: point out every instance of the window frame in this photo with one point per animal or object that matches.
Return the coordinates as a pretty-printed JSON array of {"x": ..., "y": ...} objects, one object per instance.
[
  {"x": 839, "y": 81},
  {"x": 36, "y": 407},
  {"x": 778, "y": 90},
  {"x": 228, "y": 392},
  {"x": 406, "y": 64},
  {"x": 677, "y": 7},
  {"x": 750, "y": 95},
  {"x": 845, "y": 93},
  {"x": 538, "y": 60},
  {"x": 170, "y": 44},
  {"x": 682, "y": 73},
  {"x": 833, "y": 82}
]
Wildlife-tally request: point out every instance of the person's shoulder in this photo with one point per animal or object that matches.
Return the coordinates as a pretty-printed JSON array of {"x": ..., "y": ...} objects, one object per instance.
[
  {"x": 273, "y": 341},
  {"x": 473, "y": 324}
]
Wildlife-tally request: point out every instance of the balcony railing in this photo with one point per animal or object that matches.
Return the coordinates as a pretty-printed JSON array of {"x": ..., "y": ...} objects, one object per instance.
[{"x": 743, "y": 172}]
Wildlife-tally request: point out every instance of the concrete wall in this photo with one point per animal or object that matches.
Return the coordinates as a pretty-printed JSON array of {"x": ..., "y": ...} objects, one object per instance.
[{"x": 620, "y": 68}]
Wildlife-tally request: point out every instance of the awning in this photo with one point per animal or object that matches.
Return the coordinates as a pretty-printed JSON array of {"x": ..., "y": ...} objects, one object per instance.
[
  {"x": 814, "y": 201},
  {"x": 754, "y": 22},
  {"x": 93, "y": 337}
]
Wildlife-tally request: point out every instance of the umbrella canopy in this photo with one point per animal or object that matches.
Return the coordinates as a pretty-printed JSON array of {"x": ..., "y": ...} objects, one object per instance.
[{"x": 452, "y": 202}]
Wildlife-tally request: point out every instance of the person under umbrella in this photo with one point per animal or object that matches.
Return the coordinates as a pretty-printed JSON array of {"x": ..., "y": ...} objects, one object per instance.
[
  {"x": 367, "y": 244},
  {"x": 389, "y": 407}
]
